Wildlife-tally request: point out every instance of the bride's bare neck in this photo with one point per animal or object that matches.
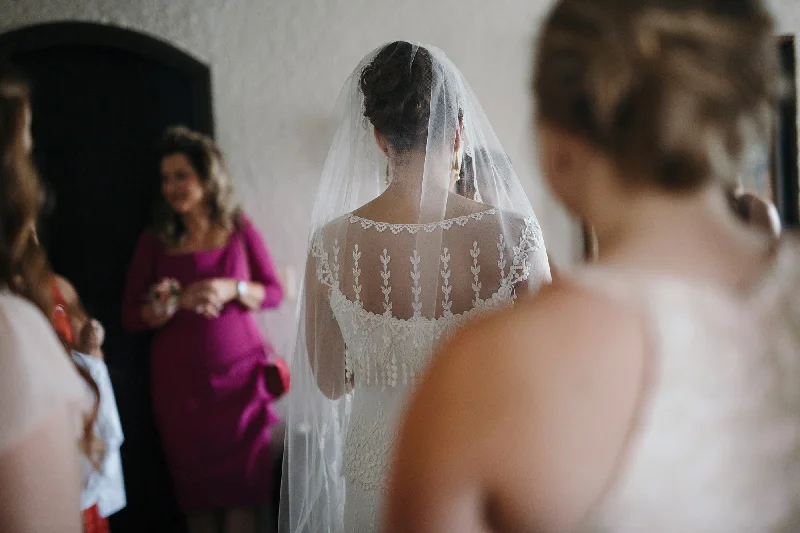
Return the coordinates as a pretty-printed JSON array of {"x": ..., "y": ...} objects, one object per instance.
[{"x": 412, "y": 195}]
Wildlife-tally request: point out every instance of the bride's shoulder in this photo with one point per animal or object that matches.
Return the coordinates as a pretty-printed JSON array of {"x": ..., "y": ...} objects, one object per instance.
[
  {"x": 519, "y": 227},
  {"x": 330, "y": 229},
  {"x": 460, "y": 207}
]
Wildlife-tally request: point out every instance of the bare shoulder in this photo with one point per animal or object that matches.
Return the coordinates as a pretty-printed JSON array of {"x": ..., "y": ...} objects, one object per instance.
[
  {"x": 509, "y": 406},
  {"x": 561, "y": 326},
  {"x": 458, "y": 205}
]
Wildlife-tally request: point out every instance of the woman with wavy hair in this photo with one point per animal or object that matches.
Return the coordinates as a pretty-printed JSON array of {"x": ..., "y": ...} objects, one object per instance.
[
  {"x": 43, "y": 401},
  {"x": 196, "y": 279}
]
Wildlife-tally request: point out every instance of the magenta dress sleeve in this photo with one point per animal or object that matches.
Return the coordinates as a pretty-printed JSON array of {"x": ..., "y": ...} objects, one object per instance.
[
  {"x": 141, "y": 276},
  {"x": 262, "y": 268}
]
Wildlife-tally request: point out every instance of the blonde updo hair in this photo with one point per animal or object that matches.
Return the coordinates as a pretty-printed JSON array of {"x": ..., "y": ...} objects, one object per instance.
[{"x": 673, "y": 91}]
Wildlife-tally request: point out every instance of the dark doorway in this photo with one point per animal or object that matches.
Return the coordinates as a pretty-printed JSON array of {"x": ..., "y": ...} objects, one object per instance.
[
  {"x": 101, "y": 98},
  {"x": 787, "y": 188}
]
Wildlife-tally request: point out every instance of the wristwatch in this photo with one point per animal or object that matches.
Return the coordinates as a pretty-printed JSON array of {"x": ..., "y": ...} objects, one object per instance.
[{"x": 241, "y": 289}]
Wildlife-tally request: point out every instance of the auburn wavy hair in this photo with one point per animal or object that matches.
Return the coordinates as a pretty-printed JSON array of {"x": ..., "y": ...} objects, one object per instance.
[{"x": 24, "y": 268}]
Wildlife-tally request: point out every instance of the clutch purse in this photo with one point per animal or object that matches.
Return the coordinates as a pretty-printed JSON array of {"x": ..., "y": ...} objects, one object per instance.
[
  {"x": 165, "y": 297},
  {"x": 277, "y": 378}
]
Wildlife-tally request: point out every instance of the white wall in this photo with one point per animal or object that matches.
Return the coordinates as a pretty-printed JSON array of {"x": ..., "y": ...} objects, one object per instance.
[{"x": 278, "y": 66}]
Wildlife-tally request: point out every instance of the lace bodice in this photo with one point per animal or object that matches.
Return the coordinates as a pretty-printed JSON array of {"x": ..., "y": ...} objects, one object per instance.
[
  {"x": 389, "y": 317},
  {"x": 378, "y": 296},
  {"x": 717, "y": 446},
  {"x": 395, "y": 291}
]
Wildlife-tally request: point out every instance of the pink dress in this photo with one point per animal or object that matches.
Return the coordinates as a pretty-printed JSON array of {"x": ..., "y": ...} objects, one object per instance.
[{"x": 208, "y": 386}]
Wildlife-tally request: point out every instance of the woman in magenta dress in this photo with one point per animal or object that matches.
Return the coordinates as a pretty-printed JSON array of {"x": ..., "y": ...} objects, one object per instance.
[{"x": 196, "y": 280}]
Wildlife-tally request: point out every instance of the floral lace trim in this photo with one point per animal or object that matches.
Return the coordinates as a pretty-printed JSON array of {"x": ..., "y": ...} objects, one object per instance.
[
  {"x": 530, "y": 240},
  {"x": 415, "y": 228},
  {"x": 389, "y": 351}
]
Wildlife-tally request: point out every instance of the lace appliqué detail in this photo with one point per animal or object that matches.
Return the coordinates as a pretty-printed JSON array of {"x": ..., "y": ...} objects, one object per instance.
[
  {"x": 385, "y": 354},
  {"x": 325, "y": 274},
  {"x": 384, "y": 350},
  {"x": 476, "y": 270},
  {"x": 520, "y": 269},
  {"x": 369, "y": 441},
  {"x": 416, "y": 290},
  {"x": 415, "y": 228},
  {"x": 356, "y": 274},
  {"x": 386, "y": 289},
  {"x": 447, "y": 305},
  {"x": 529, "y": 241}
]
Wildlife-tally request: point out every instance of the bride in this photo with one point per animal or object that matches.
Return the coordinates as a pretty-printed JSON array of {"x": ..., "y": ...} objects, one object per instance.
[{"x": 396, "y": 262}]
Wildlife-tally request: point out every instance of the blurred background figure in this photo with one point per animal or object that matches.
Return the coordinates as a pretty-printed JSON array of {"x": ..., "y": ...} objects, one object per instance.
[
  {"x": 104, "y": 490},
  {"x": 104, "y": 493},
  {"x": 612, "y": 401},
  {"x": 43, "y": 402},
  {"x": 196, "y": 279}
]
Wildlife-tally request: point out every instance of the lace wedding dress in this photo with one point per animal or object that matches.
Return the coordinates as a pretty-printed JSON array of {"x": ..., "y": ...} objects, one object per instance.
[
  {"x": 376, "y": 299},
  {"x": 379, "y": 296}
]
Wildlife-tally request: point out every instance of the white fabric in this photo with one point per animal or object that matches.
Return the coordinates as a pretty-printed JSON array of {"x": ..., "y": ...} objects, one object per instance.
[
  {"x": 379, "y": 294},
  {"x": 385, "y": 353},
  {"x": 36, "y": 376},
  {"x": 106, "y": 486},
  {"x": 717, "y": 448}
]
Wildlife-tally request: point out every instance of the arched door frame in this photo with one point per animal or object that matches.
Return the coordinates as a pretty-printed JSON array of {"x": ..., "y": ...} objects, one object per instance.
[{"x": 57, "y": 34}]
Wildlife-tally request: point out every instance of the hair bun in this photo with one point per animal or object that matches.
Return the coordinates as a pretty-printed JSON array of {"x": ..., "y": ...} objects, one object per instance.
[
  {"x": 387, "y": 78},
  {"x": 397, "y": 93},
  {"x": 674, "y": 92}
]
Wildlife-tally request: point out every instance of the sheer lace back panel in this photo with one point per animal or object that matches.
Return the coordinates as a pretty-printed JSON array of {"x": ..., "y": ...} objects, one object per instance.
[
  {"x": 717, "y": 445},
  {"x": 373, "y": 271},
  {"x": 390, "y": 322}
]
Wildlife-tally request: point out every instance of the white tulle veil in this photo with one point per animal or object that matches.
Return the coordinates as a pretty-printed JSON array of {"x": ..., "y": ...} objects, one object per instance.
[{"x": 498, "y": 235}]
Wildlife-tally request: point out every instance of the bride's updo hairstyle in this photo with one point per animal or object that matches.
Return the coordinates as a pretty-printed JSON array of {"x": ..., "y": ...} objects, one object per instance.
[
  {"x": 396, "y": 86},
  {"x": 673, "y": 91}
]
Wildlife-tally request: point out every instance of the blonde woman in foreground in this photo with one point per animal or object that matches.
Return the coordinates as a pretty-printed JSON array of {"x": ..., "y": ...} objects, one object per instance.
[{"x": 676, "y": 409}]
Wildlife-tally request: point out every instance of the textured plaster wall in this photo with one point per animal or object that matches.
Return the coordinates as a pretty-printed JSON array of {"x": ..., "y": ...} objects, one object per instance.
[{"x": 278, "y": 66}]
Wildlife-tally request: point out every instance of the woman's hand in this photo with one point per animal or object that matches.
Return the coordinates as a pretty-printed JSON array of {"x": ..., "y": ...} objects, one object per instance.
[
  {"x": 208, "y": 297},
  {"x": 91, "y": 339}
]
